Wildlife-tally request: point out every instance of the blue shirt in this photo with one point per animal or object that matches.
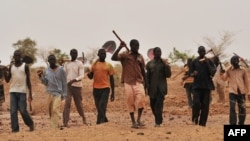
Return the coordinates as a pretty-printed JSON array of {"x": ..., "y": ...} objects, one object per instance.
[{"x": 55, "y": 81}]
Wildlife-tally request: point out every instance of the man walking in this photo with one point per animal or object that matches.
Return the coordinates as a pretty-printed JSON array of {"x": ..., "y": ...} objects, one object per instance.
[
  {"x": 203, "y": 70},
  {"x": 102, "y": 72},
  {"x": 54, "y": 79},
  {"x": 238, "y": 88},
  {"x": 75, "y": 73},
  {"x": 133, "y": 77},
  {"x": 19, "y": 77},
  {"x": 158, "y": 71}
]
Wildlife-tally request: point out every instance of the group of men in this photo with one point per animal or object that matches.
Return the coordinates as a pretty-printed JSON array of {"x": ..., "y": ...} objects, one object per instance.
[
  {"x": 139, "y": 78},
  {"x": 206, "y": 74}
]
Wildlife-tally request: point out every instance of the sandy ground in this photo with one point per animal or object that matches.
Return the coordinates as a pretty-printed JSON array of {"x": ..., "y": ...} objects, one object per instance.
[{"x": 177, "y": 125}]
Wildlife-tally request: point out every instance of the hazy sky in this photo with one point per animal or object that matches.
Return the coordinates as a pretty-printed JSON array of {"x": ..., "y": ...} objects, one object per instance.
[{"x": 86, "y": 24}]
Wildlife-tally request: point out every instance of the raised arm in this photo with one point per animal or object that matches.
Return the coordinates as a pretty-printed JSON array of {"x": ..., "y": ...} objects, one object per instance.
[{"x": 115, "y": 55}]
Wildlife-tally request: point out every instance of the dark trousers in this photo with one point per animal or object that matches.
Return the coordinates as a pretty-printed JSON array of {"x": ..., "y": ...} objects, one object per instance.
[
  {"x": 156, "y": 105},
  {"x": 101, "y": 97},
  {"x": 18, "y": 103},
  {"x": 76, "y": 93},
  {"x": 200, "y": 107},
  {"x": 240, "y": 100}
]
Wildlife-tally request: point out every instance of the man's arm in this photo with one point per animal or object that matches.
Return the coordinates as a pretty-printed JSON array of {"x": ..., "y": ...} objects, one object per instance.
[
  {"x": 112, "y": 85},
  {"x": 90, "y": 74},
  {"x": 80, "y": 74},
  {"x": 168, "y": 72},
  {"x": 27, "y": 71},
  {"x": 7, "y": 74},
  {"x": 211, "y": 67},
  {"x": 223, "y": 75},
  {"x": 148, "y": 76},
  {"x": 143, "y": 72},
  {"x": 115, "y": 54},
  {"x": 246, "y": 82},
  {"x": 64, "y": 83}
]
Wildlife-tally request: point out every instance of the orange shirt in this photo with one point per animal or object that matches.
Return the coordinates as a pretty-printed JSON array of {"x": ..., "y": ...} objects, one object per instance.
[{"x": 102, "y": 71}]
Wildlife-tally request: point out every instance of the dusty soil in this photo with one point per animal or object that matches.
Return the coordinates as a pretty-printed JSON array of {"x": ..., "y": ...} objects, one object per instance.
[{"x": 177, "y": 125}]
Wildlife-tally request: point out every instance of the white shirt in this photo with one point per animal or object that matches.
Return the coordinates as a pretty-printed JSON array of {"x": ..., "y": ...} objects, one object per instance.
[
  {"x": 18, "y": 79},
  {"x": 74, "y": 70}
]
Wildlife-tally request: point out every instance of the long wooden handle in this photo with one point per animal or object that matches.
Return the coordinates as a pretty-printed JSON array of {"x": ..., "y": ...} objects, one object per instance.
[{"x": 120, "y": 39}]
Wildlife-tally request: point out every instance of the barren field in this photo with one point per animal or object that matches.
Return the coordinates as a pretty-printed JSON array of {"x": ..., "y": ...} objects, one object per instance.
[{"x": 177, "y": 125}]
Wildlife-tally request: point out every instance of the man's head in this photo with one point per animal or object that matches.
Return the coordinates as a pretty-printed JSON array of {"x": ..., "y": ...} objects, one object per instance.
[
  {"x": 102, "y": 55},
  {"x": 73, "y": 54},
  {"x": 134, "y": 45},
  {"x": 157, "y": 52},
  {"x": 17, "y": 56},
  {"x": 52, "y": 61},
  {"x": 235, "y": 60},
  {"x": 201, "y": 51}
]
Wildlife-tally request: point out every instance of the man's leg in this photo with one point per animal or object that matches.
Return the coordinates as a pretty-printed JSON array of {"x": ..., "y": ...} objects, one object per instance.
[
  {"x": 139, "y": 93},
  {"x": 77, "y": 96},
  {"x": 196, "y": 106},
  {"x": 56, "y": 118},
  {"x": 159, "y": 109},
  {"x": 189, "y": 95},
  {"x": 232, "y": 114},
  {"x": 97, "y": 97},
  {"x": 152, "y": 106},
  {"x": 130, "y": 103},
  {"x": 205, "y": 100},
  {"x": 23, "y": 111},
  {"x": 103, "y": 104},
  {"x": 140, "y": 110},
  {"x": 13, "y": 112},
  {"x": 67, "y": 105},
  {"x": 242, "y": 108},
  {"x": 132, "y": 117}
]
